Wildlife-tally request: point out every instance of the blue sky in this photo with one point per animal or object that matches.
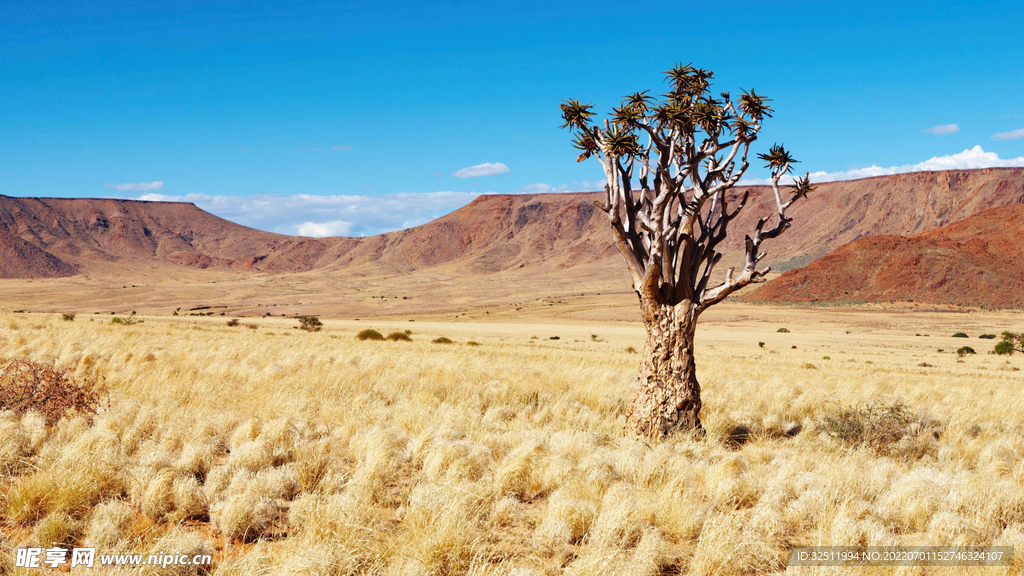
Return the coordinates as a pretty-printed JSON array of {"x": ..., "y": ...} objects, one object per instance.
[{"x": 353, "y": 118}]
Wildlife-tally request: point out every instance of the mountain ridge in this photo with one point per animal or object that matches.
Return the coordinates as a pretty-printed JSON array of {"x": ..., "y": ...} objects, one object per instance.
[{"x": 529, "y": 238}]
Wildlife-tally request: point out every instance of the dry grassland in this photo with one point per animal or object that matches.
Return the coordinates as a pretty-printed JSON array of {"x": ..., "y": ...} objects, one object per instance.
[{"x": 285, "y": 452}]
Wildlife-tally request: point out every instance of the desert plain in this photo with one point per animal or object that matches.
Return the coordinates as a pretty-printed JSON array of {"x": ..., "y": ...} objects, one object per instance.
[{"x": 280, "y": 451}]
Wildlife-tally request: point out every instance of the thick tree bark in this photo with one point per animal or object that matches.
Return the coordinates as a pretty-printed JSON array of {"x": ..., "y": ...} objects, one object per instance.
[{"x": 667, "y": 395}]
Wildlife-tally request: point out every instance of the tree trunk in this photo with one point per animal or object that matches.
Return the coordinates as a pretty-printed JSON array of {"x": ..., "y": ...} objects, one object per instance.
[{"x": 667, "y": 394}]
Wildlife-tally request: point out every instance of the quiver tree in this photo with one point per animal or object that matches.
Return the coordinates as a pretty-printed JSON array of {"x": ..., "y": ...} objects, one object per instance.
[{"x": 669, "y": 164}]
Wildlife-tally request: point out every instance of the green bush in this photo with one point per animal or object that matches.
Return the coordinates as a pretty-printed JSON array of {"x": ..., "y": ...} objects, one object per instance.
[
  {"x": 443, "y": 340},
  {"x": 964, "y": 350},
  {"x": 960, "y": 335},
  {"x": 987, "y": 336},
  {"x": 309, "y": 323},
  {"x": 1014, "y": 341},
  {"x": 370, "y": 334},
  {"x": 399, "y": 337},
  {"x": 1004, "y": 348},
  {"x": 127, "y": 320}
]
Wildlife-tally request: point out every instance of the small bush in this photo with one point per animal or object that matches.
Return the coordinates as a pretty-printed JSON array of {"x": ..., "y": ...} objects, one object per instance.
[
  {"x": 126, "y": 321},
  {"x": 783, "y": 330},
  {"x": 472, "y": 343},
  {"x": 1011, "y": 343},
  {"x": 251, "y": 326},
  {"x": 68, "y": 316},
  {"x": 760, "y": 344},
  {"x": 399, "y": 337},
  {"x": 964, "y": 350},
  {"x": 960, "y": 335},
  {"x": 370, "y": 334},
  {"x": 630, "y": 350},
  {"x": 879, "y": 427},
  {"x": 987, "y": 336},
  {"x": 310, "y": 323},
  {"x": 47, "y": 389},
  {"x": 443, "y": 340},
  {"x": 234, "y": 322},
  {"x": 555, "y": 338},
  {"x": 1004, "y": 348}
]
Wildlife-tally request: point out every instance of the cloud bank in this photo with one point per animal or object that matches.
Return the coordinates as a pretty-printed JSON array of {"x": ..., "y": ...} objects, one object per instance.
[
  {"x": 1011, "y": 135},
  {"x": 942, "y": 129},
  {"x": 574, "y": 186},
  {"x": 317, "y": 216},
  {"x": 156, "y": 185},
  {"x": 968, "y": 159},
  {"x": 485, "y": 169}
]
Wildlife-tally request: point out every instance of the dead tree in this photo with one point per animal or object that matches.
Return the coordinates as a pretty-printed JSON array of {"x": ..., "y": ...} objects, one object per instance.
[{"x": 669, "y": 164}]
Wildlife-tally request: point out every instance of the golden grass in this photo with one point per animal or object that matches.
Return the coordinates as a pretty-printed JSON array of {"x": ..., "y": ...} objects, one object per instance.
[{"x": 297, "y": 453}]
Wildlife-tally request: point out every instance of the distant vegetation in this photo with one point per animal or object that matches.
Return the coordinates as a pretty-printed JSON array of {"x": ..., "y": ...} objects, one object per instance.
[
  {"x": 68, "y": 316},
  {"x": 370, "y": 334},
  {"x": 399, "y": 337},
  {"x": 443, "y": 340},
  {"x": 1010, "y": 343},
  {"x": 310, "y": 323}
]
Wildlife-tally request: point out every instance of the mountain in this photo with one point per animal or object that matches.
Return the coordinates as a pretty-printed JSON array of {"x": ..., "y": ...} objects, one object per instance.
[
  {"x": 514, "y": 242},
  {"x": 977, "y": 261}
]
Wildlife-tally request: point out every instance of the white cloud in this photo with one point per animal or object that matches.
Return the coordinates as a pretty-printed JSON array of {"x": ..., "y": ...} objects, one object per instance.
[
  {"x": 942, "y": 129},
  {"x": 315, "y": 215},
  {"x": 135, "y": 186},
  {"x": 321, "y": 229},
  {"x": 968, "y": 159},
  {"x": 1011, "y": 135},
  {"x": 342, "y": 148},
  {"x": 574, "y": 186},
  {"x": 485, "y": 169}
]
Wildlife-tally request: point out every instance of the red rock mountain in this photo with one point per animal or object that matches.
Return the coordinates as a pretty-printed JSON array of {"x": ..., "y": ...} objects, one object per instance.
[
  {"x": 977, "y": 261},
  {"x": 535, "y": 235}
]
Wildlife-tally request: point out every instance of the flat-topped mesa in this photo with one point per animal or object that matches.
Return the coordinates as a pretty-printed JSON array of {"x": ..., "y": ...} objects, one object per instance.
[{"x": 975, "y": 262}]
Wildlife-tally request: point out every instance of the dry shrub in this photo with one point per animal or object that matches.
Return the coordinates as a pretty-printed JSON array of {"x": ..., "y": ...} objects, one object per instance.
[
  {"x": 53, "y": 392},
  {"x": 566, "y": 520},
  {"x": 248, "y": 517},
  {"x": 370, "y": 334},
  {"x": 884, "y": 428},
  {"x": 57, "y": 529},
  {"x": 56, "y": 490},
  {"x": 443, "y": 340},
  {"x": 399, "y": 337},
  {"x": 109, "y": 523}
]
